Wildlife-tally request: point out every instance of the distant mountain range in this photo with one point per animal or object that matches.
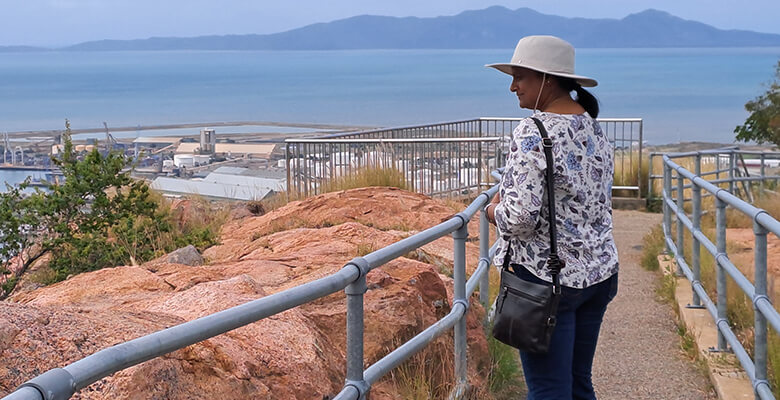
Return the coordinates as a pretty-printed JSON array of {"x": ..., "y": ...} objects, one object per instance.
[{"x": 493, "y": 27}]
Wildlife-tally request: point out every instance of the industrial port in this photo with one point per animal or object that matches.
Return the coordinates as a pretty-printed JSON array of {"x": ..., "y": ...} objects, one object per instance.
[{"x": 219, "y": 160}]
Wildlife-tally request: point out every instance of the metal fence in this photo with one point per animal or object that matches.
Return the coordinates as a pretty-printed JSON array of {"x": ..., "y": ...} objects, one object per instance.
[
  {"x": 444, "y": 159},
  {"x": 62, "y": 383},
  {"x": 444, "y": 167},
  {"x": 690, "y": 266},
  {"x": 739, "y": 169}
]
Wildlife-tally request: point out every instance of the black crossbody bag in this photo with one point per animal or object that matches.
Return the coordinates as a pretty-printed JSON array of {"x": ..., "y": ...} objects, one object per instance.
[{"x": 525, "y": 311}]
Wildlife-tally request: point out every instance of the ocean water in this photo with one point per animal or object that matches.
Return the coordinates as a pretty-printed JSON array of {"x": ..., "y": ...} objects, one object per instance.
[{"x": 682, "y": 94}]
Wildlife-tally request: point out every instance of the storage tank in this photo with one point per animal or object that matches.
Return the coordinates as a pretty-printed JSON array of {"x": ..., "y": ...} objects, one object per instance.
[{"x": 184, "y": 160}]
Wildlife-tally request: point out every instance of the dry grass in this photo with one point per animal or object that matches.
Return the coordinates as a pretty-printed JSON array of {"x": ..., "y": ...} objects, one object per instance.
[
  {"x": 364, "y": 177},
  {"x": 768, "y": 202},
  {"x": 429, "y": 374},
  {"x": 364, "y": 248},
  {"x": 630, "y": 172},
  {"x": 740, "y": 308}
]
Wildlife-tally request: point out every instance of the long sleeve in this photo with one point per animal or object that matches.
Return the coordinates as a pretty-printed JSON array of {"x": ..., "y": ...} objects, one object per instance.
[{"x": 522, "y": 184}]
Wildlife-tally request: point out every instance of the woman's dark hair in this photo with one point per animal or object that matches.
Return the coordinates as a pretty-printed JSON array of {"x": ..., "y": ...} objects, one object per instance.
[{"x": 584, "y": 97}]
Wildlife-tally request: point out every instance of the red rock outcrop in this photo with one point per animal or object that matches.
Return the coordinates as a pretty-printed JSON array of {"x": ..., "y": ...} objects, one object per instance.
[{"x": 298, "y": 354}]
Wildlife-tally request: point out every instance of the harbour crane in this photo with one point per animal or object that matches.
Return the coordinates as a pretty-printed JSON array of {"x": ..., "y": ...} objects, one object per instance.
[{"x": 110, "y": 141}]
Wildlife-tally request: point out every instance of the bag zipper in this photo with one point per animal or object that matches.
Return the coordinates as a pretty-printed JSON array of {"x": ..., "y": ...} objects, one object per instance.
[{"x": 522, "y": 294}]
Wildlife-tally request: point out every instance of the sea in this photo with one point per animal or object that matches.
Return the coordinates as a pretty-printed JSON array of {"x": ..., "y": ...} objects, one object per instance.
[{"x": 682, "y": 94}]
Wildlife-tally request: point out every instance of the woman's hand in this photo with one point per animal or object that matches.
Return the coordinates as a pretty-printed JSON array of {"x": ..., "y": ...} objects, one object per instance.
[{"x": 490, "y": 209}]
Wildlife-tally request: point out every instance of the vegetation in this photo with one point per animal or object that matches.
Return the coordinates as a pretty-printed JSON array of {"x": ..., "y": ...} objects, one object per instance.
[
  {"x": 505, "y": 378},
  {"x": 653, "y": 245},
  {"x": 763, "y": 124},
  {"x": 630, "y": 172},
  {"x": 740, "y": 309},
  {"x": 97, "y": 217},
  {"x": 364, "y": 177}
]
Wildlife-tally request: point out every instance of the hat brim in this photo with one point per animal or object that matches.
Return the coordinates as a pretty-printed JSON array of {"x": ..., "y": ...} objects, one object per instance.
[{"x": 507, "y": 69}]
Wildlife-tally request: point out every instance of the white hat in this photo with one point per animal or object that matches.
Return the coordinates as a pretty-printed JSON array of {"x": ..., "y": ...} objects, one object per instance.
[{"x": 547, "y": 54}]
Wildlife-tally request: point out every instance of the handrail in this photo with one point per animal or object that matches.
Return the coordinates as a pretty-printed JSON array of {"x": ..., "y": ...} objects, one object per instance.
[
  {"x": 763, "y": 223},
  {"x": 62, "y": 383},
  {"x": 726, "y": 163},
  {"x": 411, "y": 140}
]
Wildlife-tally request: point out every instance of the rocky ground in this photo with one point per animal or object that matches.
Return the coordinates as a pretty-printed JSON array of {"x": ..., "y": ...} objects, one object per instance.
[{"x": 298, "y": 354}]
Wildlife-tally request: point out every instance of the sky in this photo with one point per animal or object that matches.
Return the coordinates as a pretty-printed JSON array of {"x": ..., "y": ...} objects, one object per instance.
[{"x": 63, "y": 22}]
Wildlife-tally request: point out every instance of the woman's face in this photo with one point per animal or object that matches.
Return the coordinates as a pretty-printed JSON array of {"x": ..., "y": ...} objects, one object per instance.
[{"x": 526, "y": 85}]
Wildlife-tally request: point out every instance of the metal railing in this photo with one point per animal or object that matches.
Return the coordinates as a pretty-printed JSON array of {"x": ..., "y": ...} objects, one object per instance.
[
  {"x": 62, "y": 383},
  {"x": 432, "y": 166},
  {"x": 729, "y": 165},
  {"x": 763, "y": 223},
  {"x": 442, "y": 159}
]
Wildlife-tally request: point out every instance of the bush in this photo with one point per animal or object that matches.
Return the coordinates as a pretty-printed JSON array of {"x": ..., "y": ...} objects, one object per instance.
[
  {"x": 653, "y": 245},
  {"x": 763, "y": 124},
  {"x": 97, "y": 217}
]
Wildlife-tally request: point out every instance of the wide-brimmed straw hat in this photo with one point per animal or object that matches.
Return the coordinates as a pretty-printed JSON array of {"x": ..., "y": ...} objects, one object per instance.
[{"x": 547, "y": 54}]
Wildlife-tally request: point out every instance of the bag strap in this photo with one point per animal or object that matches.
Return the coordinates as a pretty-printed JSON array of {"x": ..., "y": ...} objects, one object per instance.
[{"x": 553, "y": 261}]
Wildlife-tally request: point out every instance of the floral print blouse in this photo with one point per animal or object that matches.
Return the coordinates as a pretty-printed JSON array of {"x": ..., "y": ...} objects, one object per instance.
[{"x": 583, "y": 200}]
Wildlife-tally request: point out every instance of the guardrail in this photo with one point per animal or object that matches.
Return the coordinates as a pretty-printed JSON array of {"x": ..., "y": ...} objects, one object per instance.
[
  {"x": 443, "y": 159},
  {"x": 731, "y": 165},
  {"x": 62, "y": 383},
  {"x": 763, "y": 224}
]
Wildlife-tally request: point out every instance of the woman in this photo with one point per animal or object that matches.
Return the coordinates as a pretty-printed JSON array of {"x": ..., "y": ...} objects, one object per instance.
[{"x": 543, "y": 80}]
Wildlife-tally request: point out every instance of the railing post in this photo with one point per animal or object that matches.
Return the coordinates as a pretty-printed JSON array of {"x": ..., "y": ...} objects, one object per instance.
[
  {"x": 732, "y": 167},
  {"x": 459, "y": 276},
  {"x": 680, "y": 227},
  {"x": 717, "y": 168},
  {"x": 484, "y": 249},
  {"x": 667, "y": 195},
  {"x": 720, "y": 222},
  {"x": 650, "y": 191},
  {"x": 763, "y": 174},
  {"x": 480, "y": 165},
  {"x": 696, "y": 249},
  {"x": 639, "y": 168},
  {"x": 287, "y": 164},
  {"x": 354, "y": 292},
  {"x": 760, "y": 327}
]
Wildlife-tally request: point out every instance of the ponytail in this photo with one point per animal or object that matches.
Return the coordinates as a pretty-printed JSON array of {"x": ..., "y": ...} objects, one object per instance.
[
  {"x": 588, "y": 101},
  {"x": 584, "y": 98}
]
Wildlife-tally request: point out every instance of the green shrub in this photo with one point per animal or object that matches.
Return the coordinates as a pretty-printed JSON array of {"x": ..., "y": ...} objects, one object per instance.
[
  {"x": 97, "y": 217},
  {"x": 505, "y": 377},
  {"x": 653, "y": 245}
]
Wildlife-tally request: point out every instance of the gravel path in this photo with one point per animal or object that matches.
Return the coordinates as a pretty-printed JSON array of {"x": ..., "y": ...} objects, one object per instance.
[{"x": 639, "y": 356}]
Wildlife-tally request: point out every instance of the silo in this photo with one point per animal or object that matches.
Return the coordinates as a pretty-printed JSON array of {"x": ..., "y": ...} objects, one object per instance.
[{"x": 208, "y": 140}]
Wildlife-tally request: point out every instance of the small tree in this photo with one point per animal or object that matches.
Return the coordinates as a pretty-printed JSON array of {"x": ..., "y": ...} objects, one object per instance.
[
  {"x": 97, "y": 195},
  {"x": 97, "y": 217},
  {"x": 763, "y": 124},
  {"x": 18, "y": 228}
]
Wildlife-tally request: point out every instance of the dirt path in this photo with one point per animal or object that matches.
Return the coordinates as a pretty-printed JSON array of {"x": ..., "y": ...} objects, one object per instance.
[{"x": 639, "y": 354}]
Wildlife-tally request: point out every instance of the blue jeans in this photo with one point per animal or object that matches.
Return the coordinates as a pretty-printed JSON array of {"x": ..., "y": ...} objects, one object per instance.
[{"x": 565, "y": 371}]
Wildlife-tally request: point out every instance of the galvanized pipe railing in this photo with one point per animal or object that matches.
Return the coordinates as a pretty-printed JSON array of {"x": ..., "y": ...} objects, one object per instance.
[
  {"x": 763, "y": 223},
  {"x": 728, "y": 155},
  {"x": 62, "y": 383},
  {"x": 442, "y": 159},
  {"x": 442, "y": 166}
]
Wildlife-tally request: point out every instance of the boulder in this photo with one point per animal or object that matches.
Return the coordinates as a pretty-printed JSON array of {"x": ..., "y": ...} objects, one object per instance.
[{"x": 187, "y": 256}]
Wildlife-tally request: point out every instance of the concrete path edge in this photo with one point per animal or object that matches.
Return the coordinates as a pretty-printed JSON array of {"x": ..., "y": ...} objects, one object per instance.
[{"x": 726, "y": 374}]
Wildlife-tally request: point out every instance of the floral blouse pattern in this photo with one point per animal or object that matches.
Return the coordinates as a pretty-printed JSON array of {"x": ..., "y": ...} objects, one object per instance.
[{"x": 583, "y": 200}]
